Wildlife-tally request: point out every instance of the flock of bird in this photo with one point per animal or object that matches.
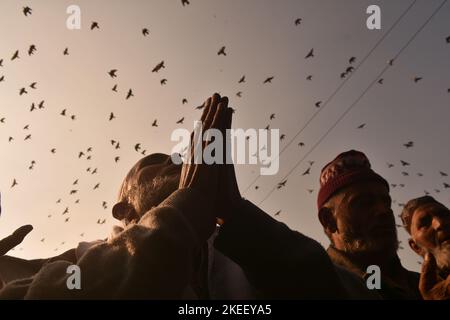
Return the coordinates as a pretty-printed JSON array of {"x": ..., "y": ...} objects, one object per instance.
[{"x": 114, "y": 73}]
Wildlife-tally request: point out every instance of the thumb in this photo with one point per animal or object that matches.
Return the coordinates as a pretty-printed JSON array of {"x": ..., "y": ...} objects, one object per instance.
[{"x": 428, "y": 276}]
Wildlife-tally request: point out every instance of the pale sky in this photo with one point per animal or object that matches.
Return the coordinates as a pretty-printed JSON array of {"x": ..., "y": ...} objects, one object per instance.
[{"x": 261, "y": 40}]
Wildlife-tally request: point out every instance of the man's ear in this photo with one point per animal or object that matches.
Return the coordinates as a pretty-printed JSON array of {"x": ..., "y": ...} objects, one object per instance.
[
  {"x": 327, "y": 220},
  {"x": 416, "y": 248},
  {"x": 123, "y": 210}
]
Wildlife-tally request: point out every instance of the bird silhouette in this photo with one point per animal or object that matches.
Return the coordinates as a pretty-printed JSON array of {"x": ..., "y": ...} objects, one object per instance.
[
  {"x": 390, "y": 165},
  {"x": 242, "y": 79},
  {"x": 25, "y": 127},
  {"x": 222, "y": 51},
  {"x": 349, "y": 69},
  {"x": 89, "y": 149},
  {"x": 114, "y": 88},
  {"x": 137, "y": 147},
  {"x": 310, "y": 54},
  {"x": 2, "y": 120},
  {"x": 155, "y": 124},
  {"x": 158, "y": 67},
  {"x": 272, "y": 116},
  {"x": 268, "y": 80},
  {"x": 1, "y": 62},
  {"x": 446, "y": 185},
  {"x": 163, "y": 81},
  {"x": 15, "y": 56},
  {"x": 97, "y": 186},
  {"x": 33, "y": 85},
  {"x": 277, "y": 213},
  {"x": 66, "y": 52},
  {"x": 351, "y": 60},
  {"x": 281, "y": 184},
  {"x": 301, "y": 144},
  {"x": 31, "y": 50},
  {"x": 282, "y": 137},
  {"x": 145, "y": 32},
  {"x": 10, "y": 139},
  {"x": 404, "y": 163},
  {"x": 74, "y": 191},
  {"x": 298, "y": 21},
  {"x": 184, "y": 101},
  {"x": 94, "y": 25},
  {"x": 63, "y": 112},
  {"x": 318, "y": 103},
  {"x": 417, "y": 79},
  {"x": 184, "y": 2},
  {"x": 27, "y": 137},
  {"x": 23, "y": 91},
  {"x": 310, "y": 190},
  {"x": 180, "y": 121},
  {"x": 112, "y": 73},
  {"x": 14, "y": 183},
  {"x": 306, "y": 172},
  {"x": 129, "y": 94},
  {"x": 447, "y": 39},
  {"x": 53, "y": 150},
  {"x": 361, "y": 126},
  {"x": 67, "y": 219},
  {"x": 2, "y": 78},
  {"x": 239, "y": 94},
  {"x": 75, "y": 182},
  {"x": 409, "y": 144},
  {"x": 116, "y": 159},
  {"x": 41, "y": 104},
  {"x": 380, "y": 81},
  {"x": 111, "y": 116},
  {"x": 443, "y": 174},
  {"x": 309, "y": 77},
  {"x": 26, "y": 11}
]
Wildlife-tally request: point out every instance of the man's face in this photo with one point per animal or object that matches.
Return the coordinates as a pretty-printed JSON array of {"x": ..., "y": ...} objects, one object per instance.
[
  {"x": 364, "y": 219},
  {"x": 155, "y": 178},
  {"x": 430, "y": 230}
]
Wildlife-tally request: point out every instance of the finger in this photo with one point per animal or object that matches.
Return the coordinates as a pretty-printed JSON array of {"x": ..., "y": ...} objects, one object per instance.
[
  {"x": 206, "y": 109},
  {"x": 428, "y": 276},
  {"x": 215, "y": 99}
]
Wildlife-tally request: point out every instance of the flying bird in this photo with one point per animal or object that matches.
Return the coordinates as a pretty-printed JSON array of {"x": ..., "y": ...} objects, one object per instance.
[
  {"x": 447, "y": 39},
  {"x": 53, "y": 150},
  {"x": 184, "y": 101},
  {"x": 239, "y": 94},
  {"x": 111, "y": 116},
  {"x": 145, "y": 32},
  {"x": 63, "y": 112},
  {"x": 112, "y": 73},
  {"x": 281, "y": 184},
  {"x": 14, "y": 183},
  {"x": 159, "y": 66},
  {"x": 352, "y": 60},
  {"x": 277, "y": 213},
  {"x": 306, "y": 172},
  {"x": 443, "y": 174},
  {"x": 15, "y": 55},
  {"x": 31, "y": 50},
  {"x": 409, "y": 144},
  {"x": 116, "y": 159},
  {"x": 33, "y": 85},
  {"x": 97, "y": 186},
  {"x": 318, "y": 103},
  {"x": 361, "y": 126},
  {"x": 163, "y": 81},
  {"x": 446, "y": 185},
  {"x": 2, "y": 78},
  {"x": 129, "y": 94},
  {"x": 22, "y": 91},
  {"x": 242, "y": 79},
  {"x": 66, "y": 52},
  {"x": 114, "y": 88},
  {"x": 380, "y": 81},
  {"x": 137, "y": 147},
  {"x": 268, "y": 80},
  {"x": 94, "y": 25},
  {"x": 298, "y": 21},
  {"x": 180, "y": 121},
  {"x": 27, "y": 137},
  {"x": 404, "y": 163},
  {"x": 26, "y": 11},
  {"x": 222, "y": 51},
  {"x": 310, "y": 54},
  {"x": 184, "y": 2},
  {"x": 155, "y": 124},
  {"x": 272, "y": 116},
  {"x": 417, "y": 79}
]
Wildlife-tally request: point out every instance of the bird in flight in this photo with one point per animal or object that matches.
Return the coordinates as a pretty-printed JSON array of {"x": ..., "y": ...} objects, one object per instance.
[
  {"x": 159, "y": 66},
  {"x": 114, "y": 88},
  {"x": 272, "y": 116},
  {"x": 310, "y": 54},
  {"x": 446, "y": 185},
  {"x": 23, "y": 91},
  {"x": 97, "y": 186},
  {"x": 116, "y": 159},
  {"x": 155, "y": 124},
  {"x": 380, "y": 81},
  {"x": 352, "y": 60},
  {"x": 94, "y": 25},
  {"x": 111, "y": 116},
  {"x": 137, "y": 147},
  {"x": 298, "y": 21},
  {"x": 268, "y": 80},
  {"x": 409, "y": 144},
  {"x": 447, "y": 39},
  {"x": 15, "y": 55},
  {"x": 130, "y": 94},
  {"x": 417, "y": 79},
  {"x": 163, "y": 81},
  {"x": 242, "y": 79},
  {"x": 63, "y": 113},
  {"x": 404, "y": 163},
  {"x": 14, "y": 183},
  {"x": 239, "y": 94},
  {"x": 277, "y": 213},
  {"x": 306, "y": 172},
  {"x": 66, "y": 52},
  {"x": 184, "y": 2},
  {"x": 145, "y": 32},
  {"x": 361, "y": 126},
  {"x": 184, "y": 101},
  {"x": 33, "y": 85},
  {"x": 309, "y": 77},
  {"x": 113, "y": 73},
  {"x": 26, "y": 11},
  {"x": 443, "y": 174},
  {"x": 318, "y": 103},
  {"x": 2, "y": 78},
  {"x": 31, "y": 50},
  {"x": 180, "y": 121},
  {"x": 1, "y": 62},
  {"x": 222, "y": 51},
  {"x": 281, "y": 184}
]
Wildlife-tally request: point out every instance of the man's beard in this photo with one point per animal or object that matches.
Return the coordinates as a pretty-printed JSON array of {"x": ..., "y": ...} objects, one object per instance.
[
  {"x": 442, "y": 256},
  {"x": 147, "y": 195},
  {"x": 360, "y": 244}
]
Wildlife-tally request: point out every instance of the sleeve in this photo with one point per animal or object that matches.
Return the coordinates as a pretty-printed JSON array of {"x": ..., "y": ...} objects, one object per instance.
[
  {"x": 280, "y": 263},
  {"x": 149, "y": 260}
]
